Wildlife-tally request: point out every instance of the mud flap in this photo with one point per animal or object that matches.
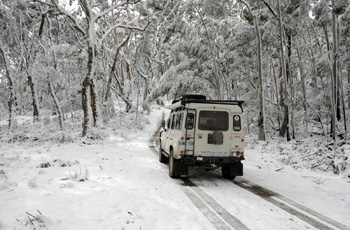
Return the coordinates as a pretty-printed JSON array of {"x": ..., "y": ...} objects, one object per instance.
[
  {"x": 181, "y": 168},
  {"x": 236, "y": 169}
]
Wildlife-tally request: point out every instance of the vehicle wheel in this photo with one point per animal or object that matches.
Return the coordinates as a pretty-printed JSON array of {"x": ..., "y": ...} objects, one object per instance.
[
  {"x": 162, "y": 157},
  {"x": 226, "y": 172},
  {"x": 172, "y": 165}
]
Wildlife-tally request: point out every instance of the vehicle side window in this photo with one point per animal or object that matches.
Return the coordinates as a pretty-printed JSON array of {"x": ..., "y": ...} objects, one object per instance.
[
  {"x": 190, "y": 121},
  {"x": 213, "y": 120},
  {"x": 168, "y": 123},
  {"x": 179, "y": 118},
  {"x": 173, "y": 121},
  {"x": 237, "y": 123}
]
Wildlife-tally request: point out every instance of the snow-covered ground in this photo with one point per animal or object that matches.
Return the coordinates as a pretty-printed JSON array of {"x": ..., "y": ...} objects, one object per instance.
[{"x": 118, "y": 183}]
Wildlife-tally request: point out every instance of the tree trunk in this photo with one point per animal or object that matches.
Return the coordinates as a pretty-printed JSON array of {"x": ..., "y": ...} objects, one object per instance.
[
  {"x": 145, "y": 90},
  {"x": 35, "y": 103},
  {"x": 112, "y": 71},
  {"x": 285, "y": 124},
  {"x": 276, "y": 94},
  {"x": 88, "y": 89},
  {"x": 53, "y": 94},
  {"x": 344, "y": 110},
  {"x": 261, "y": 124},
  {"x": 335, "y": 88},
  {"x": 85, "y": 104},
  {"x": 11, "y": 99},
  {"x": 56, "y": 102},
  {"x": 290, "y": 80},
  {"x": 303, "y": 89},
  {"x": 94, "y": 103},
  {"x": 85, "y": 89},
  {"x": 128, "y": 73},
  {"x": 348, "y": 88},
  {"x": 120, "y": 93}
]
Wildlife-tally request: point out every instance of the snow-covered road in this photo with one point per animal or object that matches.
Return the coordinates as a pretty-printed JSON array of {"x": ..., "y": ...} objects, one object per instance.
[
  {"x": 118, "y": 183},
  {"x": 227, "y": 205}
]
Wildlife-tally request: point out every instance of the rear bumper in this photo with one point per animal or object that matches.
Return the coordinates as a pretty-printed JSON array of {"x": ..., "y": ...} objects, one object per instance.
[{"x": 220, "y": 161}]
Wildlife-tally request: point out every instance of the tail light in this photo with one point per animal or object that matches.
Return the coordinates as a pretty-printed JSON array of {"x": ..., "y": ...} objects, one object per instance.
[
  {"x": 240, "y": 154},
  {"x": 182, "y": 154}
]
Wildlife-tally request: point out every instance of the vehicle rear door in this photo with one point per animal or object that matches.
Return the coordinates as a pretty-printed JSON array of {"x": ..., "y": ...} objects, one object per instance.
[{"x": 212, "y": 133}]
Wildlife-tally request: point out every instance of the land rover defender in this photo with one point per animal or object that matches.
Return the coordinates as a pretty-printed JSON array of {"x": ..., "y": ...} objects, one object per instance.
[{"x": 205, "y": 134}]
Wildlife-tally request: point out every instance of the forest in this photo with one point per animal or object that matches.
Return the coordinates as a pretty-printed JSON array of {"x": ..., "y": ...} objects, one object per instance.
[{"x": 83, "y": 64}]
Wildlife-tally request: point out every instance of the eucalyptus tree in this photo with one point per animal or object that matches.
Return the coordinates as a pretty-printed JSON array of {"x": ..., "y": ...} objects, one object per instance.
[
  {"x": 152, "y": 56},
  {"x": 340, "y": 27},
  {"x": 195, "y": 38},
  {"x": 173, "y": 42},
  {"x": 91, "y": 31},
  {"x": 53, "y": 41},
  {"x": 21, "y": 52},
  {"x": 17, "y": 55},
  {"x": 6, "y": 71},
  {"x": 327, "y": 18},
  {"x": 252, "y": 18},
  {"x": 344, "y": 50}
]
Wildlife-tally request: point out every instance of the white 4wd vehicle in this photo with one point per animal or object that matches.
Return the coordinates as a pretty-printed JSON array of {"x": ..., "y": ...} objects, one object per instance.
[{"x": 203, "y": 133}]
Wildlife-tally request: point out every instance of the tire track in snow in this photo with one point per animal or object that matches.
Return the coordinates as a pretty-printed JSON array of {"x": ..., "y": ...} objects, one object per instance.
[
  {"x": 228, "y": 220},
  {"x": 205, "y": 209},
  {"x": 306, "y": 214}
]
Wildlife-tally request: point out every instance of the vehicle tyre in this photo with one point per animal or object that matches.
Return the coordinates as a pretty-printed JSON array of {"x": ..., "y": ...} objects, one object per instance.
[
  {"x": 172, "y": 165},
  {"x": 226, "y": 172},
  {"x": 162, "y": 157}
]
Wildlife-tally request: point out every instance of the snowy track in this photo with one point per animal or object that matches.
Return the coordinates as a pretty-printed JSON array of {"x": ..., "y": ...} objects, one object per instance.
[
  {"x": 214, "y": 212},
  {"x": 198, "y": 190},
  {"x": 310, "y": 216},
  {"x": 118, "y": 183}
]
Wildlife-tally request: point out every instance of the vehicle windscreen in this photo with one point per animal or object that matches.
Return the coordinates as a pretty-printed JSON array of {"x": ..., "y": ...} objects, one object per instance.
[{"x": 213, "y": 120}]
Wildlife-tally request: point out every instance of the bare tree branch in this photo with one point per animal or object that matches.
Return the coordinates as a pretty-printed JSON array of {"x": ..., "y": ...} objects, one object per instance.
[
  {"x": 113, "y": 7},
  {"x": 131, "y": 27}
]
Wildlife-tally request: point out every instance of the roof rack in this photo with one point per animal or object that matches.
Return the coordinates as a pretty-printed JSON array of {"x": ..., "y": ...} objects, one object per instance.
[
  {"x": 194, "y": 98},
  {"x": 189, "y": 97}
]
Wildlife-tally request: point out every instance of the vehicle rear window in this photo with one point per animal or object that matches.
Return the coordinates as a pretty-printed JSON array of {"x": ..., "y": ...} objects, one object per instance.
[{"x": 213, "y": 120}]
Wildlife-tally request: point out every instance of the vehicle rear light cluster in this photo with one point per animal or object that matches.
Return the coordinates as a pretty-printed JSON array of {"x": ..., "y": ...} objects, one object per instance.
[
  {"x": 240, "y": 154},
  {"x": 182, "y": 153}
]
